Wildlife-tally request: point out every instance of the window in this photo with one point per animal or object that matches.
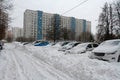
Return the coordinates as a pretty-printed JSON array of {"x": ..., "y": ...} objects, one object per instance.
[
  {"x": 75, "y": 44},
  {"x": 89, "y": 46}
]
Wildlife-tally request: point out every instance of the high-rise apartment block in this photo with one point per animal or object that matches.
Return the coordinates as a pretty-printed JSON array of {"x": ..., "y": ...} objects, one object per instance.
[
  {"x": 30, "y": 24},
  {"x": 36, "y": 24}
]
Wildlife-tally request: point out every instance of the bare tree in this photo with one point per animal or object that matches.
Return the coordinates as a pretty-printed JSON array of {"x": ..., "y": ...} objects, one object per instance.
[
  {"x": 53, "y": 32},
  {"x": 106, "y": 23},
  {"x": 86, "y": 37},
  {"x": 23, "y": 39},
  {"x": 66, "y": 34},
  {"x": 5, "y": 7},
  {"x": 117, "y": 7},
  {"x": 116, "y": 28}
]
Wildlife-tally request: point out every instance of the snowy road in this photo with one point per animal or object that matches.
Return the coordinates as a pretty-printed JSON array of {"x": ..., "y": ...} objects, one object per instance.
[
  {"x": 16, "y": 64},
  {"x": 19, "y": 62}
]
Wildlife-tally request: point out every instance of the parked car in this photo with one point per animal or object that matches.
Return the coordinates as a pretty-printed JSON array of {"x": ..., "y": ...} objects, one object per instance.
[
  {"x": 1, "y": 45},
  {"x": 108, "y": 50},
  {"x": 68, "y": 46},
  {"x": 42, "y": 43},
  {"x": 25, "y": 43},
  {"x": 82, "y": 48},
  {"x": 53, "y": 43},
  {"x": 65, "y": 43},
  {"x": 35, "y": 42},
  {"x": 57, "y": 45}
]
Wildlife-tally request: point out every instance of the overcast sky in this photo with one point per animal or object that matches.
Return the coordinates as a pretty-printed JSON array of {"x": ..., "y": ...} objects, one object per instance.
[{"x": 90, "y": 10}]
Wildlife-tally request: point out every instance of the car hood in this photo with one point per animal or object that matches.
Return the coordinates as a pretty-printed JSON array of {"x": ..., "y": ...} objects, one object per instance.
[
  {"x": 106, "y": 49},
  {"x": 67, "y": 47},
  {"x": 76, "y": 51}
]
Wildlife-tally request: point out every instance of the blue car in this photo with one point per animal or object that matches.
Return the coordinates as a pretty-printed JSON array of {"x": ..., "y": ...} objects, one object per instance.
[{"x": 43, "y": 43}]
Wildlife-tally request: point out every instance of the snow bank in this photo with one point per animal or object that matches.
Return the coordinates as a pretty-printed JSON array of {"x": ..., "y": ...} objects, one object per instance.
[{"x": 77, "y": 66}]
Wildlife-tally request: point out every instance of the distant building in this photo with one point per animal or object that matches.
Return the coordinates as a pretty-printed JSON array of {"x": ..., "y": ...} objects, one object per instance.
[
  {"x": 17, "y": 32},
  {"x": 36, "y": 24}
]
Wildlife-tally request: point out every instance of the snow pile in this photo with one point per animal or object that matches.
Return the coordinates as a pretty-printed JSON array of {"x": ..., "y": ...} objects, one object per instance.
[
  {"x": 16, "y": 64},
  {"x": 28, "y": 62},
  {"x": 78, "y": 66}
]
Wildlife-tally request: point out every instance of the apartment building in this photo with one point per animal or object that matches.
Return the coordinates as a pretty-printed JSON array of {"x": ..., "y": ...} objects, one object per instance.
[
  {"x": 30, "y": 24},
  {"x": 36, "y": 24},
  {"x": 65, "y": 22}
]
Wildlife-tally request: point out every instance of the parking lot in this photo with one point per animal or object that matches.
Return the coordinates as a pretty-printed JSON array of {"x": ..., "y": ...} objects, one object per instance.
[{"x": 28, "y": 62}]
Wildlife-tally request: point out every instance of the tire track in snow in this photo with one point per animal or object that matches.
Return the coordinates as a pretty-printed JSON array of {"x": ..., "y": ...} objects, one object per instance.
[
  {"x": 9, "y": 70},
  {"x": 27, "y": 68},
  {"x": 23, "y": 71},
  {"x": 34, "y": 73},
  {"x": 3, "y": 63},
  {"x": 19, "y": 68},
  {"x": 56, "y": 73},
  {"x": 43, "y": 68}
]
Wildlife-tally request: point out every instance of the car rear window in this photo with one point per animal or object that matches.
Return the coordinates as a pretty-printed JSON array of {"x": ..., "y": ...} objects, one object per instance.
[{"x": 89, "y": 46}]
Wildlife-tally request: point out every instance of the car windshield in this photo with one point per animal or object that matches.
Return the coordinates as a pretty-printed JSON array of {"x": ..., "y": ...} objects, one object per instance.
[
  {"x": 70, "y": 44},
  {"x": 65, "y": 43},
  {"x": 113, "y": 43}
]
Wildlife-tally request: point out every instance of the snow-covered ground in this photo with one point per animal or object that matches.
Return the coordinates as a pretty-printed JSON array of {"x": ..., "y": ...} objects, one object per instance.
[{"x": 19, "y": 62}]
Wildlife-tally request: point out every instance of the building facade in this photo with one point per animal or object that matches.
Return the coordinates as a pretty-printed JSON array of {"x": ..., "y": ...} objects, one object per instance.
[
  {"x": 46, "y": 24},
  {"x": 31, "y": 24},
  {"x": 36, "y": 24}
]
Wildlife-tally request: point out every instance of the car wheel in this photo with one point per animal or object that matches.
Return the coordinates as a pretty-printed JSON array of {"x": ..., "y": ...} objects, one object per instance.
[{"x": 119, "y": 58}]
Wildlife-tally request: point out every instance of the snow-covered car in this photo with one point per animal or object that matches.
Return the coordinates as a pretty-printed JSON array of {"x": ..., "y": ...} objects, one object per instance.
[
  {"x": 55, "y": 44},
  {"x": 68, "y": 46},
  {"x": 65, "y": 43},
  {"x": 25, "y": 43},
  {"x": 82, "y": 48},
  {"x": 35, "y": 42},
  {"x": 108, "y": 50},
  {"x": 58, "y": 45}
]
